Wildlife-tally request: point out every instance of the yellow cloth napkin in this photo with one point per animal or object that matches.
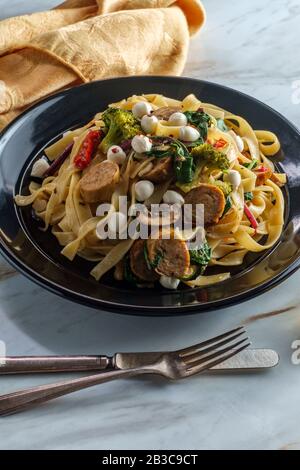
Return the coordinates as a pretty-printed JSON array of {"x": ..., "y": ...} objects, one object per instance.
[{"x": 84, "y": 40}]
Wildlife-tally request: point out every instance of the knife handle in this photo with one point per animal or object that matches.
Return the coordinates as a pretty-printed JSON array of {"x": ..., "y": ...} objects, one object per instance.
[{"x": 41, "y": 364}]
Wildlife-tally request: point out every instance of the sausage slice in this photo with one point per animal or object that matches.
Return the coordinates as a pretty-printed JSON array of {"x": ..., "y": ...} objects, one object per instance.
[
  {"x": 171, "y": 257},
  {"x": 211, "y": 197},
  {"x": 138, "y": 262},
  {"x": 99, "y": 182},
  {"x": 161, "y": 171},
  {"x": 165, "y": 112}
]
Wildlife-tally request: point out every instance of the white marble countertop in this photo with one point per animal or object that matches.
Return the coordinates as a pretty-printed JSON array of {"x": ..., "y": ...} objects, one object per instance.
[{"x": 252, "y": 46}]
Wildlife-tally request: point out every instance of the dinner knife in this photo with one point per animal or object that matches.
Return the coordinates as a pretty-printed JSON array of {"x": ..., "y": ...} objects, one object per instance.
[{"x": 249, "y": 359}]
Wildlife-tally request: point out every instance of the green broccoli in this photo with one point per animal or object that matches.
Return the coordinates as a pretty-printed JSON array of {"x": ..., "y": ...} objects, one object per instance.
[
  {"x": 121, "y": 125},
  {"x": 207, "y": 155},
  {"x": 224, "y": 186}
]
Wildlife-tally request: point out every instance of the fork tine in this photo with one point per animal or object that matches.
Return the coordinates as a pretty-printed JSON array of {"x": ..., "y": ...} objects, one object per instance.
[
  {"x": 195, "y": 347},
  {"x": 208, "y": 365},
  {"x": 202, "y": 357},
  {"x": 189, "y": 358}
]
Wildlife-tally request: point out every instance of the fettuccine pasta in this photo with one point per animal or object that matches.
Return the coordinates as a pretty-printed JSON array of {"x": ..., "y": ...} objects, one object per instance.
[{"x": 151, "y": 149}]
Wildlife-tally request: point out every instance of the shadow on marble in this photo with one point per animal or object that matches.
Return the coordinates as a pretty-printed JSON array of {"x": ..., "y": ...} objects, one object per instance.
[
  {"x": 62, "y": 326},
  {"x": 59, "y": 326}
]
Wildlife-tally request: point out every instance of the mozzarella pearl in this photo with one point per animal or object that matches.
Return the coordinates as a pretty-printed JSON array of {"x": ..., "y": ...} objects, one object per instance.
[
  {"x": 117, "y": 222},
  {"x": 238, "y": 140},
  {"x": 149, "y": 124},
  {"x": 233, "y": 177},
  {"x": 143, "y": 190},
  {"x": 169, "y": 282},
  {"x": 178, "y": 119},
  {"x": 188, "y": 134},
  {"x": 141, "y": 144},
  {"x": 39, "y": 167},
  {"x": 116, "y": 154},
  {"x": 173, "y": 197},
  {"x": 239, "y": 143},
  {"x": 141, "y": 108}
]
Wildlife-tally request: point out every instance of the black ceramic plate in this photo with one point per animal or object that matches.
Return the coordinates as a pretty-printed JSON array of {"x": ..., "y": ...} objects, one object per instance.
[{"x": 37, "y": 254}]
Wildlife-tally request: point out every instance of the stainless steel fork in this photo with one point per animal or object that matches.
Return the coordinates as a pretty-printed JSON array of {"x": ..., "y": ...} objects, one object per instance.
[{"x": 172, "y": 365}]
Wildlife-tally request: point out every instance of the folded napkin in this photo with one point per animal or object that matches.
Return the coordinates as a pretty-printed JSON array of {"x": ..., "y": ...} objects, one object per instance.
[{"x": 84, "y": 40}]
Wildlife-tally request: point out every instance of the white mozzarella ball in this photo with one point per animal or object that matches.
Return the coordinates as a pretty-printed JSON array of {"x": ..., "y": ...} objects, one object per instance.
[
  {"x": 238, "y": 140},
  {"x": 141, "y": 108},
  {"x": 173, "y": 197},
  {"x": 39, "y": 168},
  {"x": 233, "y": 177},
  {"x": 169, "y": 282},
  {"x": 117, "y": 222},
  {"x": 116, "y": 154},
  {"x": 188, "y": 134},
  {"x": 143, "y": 190},
  {"x": 239, "y": 143},
  {"x": 178, "y": 119},
  {"x": 141, "y": 143},
  {"x": 149, "y": 124}
]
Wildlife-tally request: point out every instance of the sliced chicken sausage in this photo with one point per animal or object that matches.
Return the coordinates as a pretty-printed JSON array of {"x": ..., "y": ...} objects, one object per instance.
[
  {"x": 162, "y": 170},
  {"x": 138, "y": 262},
  {"x": 212, "y": 199},
  {"x": 170, "y": 257},
  {"x": 166, "y": 111},
  {"x": 99, "y": 182}
]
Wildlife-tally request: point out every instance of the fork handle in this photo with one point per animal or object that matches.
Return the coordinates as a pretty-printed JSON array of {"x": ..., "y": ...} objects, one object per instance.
[
  {"x": 19, "y": 401},
  {"x": 40, "y": 364}
]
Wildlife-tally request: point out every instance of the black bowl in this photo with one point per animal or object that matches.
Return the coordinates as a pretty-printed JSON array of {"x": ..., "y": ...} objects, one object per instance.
[{"x": 37, "y": 254}]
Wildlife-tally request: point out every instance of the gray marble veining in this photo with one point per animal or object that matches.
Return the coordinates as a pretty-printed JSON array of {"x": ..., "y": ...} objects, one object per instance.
[{"x": 251, "y": 46}]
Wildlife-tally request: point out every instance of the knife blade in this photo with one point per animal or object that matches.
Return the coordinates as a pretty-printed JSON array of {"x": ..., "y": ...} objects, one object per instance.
[{"x": 250, "y": 359}]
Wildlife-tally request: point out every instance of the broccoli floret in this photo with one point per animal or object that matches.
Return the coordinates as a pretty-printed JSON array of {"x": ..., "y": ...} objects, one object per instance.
[
  {"x": 121, "y": 125},
  {"x": 224, "y": 186},
  {"x": 207, "y": 155}
]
